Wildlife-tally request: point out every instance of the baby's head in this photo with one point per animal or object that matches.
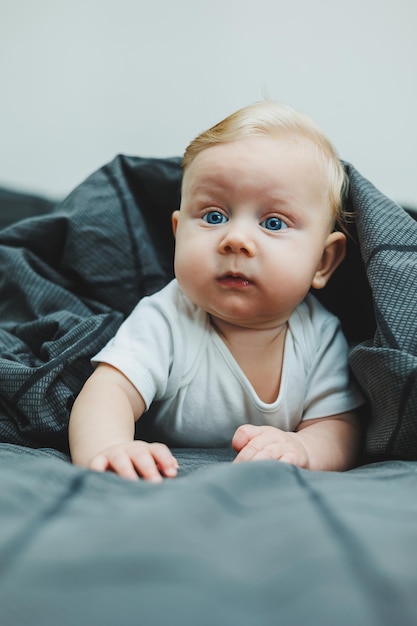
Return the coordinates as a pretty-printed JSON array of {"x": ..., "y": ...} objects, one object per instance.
[
  {"x": 275, "y": 120},
  {"x": 260, "y": 196}
]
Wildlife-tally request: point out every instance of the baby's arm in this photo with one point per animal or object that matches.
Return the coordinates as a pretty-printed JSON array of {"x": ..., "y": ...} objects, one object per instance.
[
  {"x": 330, "y": 443},
  {"x": 102, "y": 429}
]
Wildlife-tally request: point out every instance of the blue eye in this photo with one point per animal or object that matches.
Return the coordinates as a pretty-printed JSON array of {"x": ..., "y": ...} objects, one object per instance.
[
  {"x": 273, "y": 223},
  {"x": 214, "y": 218}
]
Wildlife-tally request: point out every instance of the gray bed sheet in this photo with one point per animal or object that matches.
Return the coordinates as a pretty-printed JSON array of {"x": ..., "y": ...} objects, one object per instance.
[{"x": 250, "y": 544}]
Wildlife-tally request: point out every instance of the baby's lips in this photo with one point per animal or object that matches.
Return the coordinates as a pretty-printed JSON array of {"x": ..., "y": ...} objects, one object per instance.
[{"x": 234, "y": 280}]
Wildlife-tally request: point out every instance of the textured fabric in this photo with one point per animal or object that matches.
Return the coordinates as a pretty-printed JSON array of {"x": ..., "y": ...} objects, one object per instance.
[
  {"x": 69, "y": 278},
  {"x": 252, "y": 544},
  {"x": 16, "y": 205},
  {"x": 67, "y": 281},
  {"x": 197, "y": 391},
  {"x": 386, "y": 364}
]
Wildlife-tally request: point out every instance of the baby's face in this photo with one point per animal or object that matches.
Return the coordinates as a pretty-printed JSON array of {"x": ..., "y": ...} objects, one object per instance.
[{"x": 252, "y": 228}]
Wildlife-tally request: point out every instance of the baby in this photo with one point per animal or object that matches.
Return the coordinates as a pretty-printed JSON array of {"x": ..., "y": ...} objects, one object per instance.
[{"x": 235, "y": 350}]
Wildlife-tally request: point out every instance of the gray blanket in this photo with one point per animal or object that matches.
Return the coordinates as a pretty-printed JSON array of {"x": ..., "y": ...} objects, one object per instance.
[{"x": 259, "y": 544}]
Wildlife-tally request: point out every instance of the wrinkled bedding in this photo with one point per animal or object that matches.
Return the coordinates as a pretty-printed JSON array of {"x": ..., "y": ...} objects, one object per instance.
[
  {"x": 254, "y": 544},
  {"x": 260, "y": 543}
]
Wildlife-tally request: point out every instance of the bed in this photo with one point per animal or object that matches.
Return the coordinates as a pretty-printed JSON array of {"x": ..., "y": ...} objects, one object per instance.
[{"x": 254, "y": 544}]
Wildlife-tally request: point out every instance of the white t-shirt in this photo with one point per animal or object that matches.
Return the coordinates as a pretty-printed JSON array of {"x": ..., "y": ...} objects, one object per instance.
[{"x": 196, "y": 390}]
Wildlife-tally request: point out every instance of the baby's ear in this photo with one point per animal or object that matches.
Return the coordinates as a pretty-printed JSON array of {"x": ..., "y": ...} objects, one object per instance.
[
  {"x": 333, "y": 254},
  {"x": 175, "y": 218}
]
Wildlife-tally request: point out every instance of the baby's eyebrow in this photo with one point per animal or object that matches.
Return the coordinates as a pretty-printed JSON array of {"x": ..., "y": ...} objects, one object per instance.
[{"x": 209, "y": 184}]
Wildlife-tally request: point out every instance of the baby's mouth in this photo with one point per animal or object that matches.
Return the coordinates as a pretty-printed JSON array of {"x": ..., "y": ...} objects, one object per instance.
[{"x": 234, "y": 280}]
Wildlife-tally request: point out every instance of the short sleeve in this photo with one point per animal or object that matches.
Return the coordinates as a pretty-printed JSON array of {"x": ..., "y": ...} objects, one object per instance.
[{"x": 143, "y": 348}]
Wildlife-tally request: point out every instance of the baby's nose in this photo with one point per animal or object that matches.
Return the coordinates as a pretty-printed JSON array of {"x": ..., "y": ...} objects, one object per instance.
[{"x": 237, "y": 240}]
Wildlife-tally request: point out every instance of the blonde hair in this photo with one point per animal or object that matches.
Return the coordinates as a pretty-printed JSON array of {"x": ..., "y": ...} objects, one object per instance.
[{"x": 272, "y": 118}]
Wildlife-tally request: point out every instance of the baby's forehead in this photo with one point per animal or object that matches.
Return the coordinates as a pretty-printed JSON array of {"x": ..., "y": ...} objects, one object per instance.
[
  {"x": 252, "y": 151},
  {"x": 255, "y": 168},
  {"x": 289, "y": 139}
]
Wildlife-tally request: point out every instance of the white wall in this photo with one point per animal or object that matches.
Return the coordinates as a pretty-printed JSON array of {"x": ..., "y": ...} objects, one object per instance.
[{"x": 83, "y": 80}]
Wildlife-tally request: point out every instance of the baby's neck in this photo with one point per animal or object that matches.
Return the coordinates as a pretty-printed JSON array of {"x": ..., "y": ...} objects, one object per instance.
[
  {"x": 247, "y": 337},
  {"x": 259, "y": 353}
]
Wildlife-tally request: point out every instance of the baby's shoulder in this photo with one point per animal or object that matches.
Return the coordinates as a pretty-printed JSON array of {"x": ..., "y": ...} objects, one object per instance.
[{"x": 187, "y": 322}]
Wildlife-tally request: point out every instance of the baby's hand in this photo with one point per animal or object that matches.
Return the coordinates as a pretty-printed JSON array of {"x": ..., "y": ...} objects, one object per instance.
[
  {"x": 259, "y": 443},
  {"x": 150, "y": 461}
]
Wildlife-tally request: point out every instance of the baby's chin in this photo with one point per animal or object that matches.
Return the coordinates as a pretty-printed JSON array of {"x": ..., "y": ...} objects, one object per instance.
[{"x": 234, "y": 307}]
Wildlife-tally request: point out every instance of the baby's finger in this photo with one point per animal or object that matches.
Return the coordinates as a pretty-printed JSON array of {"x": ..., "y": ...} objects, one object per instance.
[
  {"x": 165, "y": 460},
  {"x": 289, "y": 457},
  {"x": 146, "y": 467},
  {"x": 122, "y": 465},
  {"x": 99, "y": 463},
  {"x": 248, "y": 453},
  {"x": 243, "y": 435},
  {"x": 258, "y": 448}
]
